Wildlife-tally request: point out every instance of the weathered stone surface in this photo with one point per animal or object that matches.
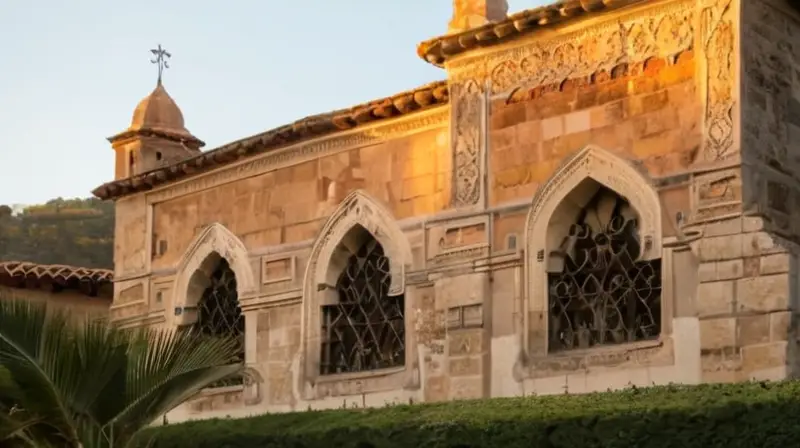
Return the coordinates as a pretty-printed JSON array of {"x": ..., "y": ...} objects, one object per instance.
[
  {"x": 774, "y": 264},
  {"x": 781, "y": 325},
  {"x": 466, "y": 342},
  {"x": 721, "y": 248},
  {"x": 715, "y": 298},
  {"x": 757, "y": 244},
  {"x": 465, "y": 366},
  {"x": 769, "y": 293},
  {"x": 717, "y": 333},
  {"x": 753, "y": 329},
  {"x": 769, "y": 124},
  {"x": 763, "y": 356}
]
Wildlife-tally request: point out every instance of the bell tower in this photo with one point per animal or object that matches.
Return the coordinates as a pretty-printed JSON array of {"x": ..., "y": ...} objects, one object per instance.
[{"x": 157, "y": 135}]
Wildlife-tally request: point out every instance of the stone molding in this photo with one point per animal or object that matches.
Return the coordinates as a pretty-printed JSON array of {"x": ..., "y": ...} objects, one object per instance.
[
  {"x": 357, "y": 209},
  {"x": 661, "y": 30},
  {"x": 214, "y": 239},
  {"x": 302, "y": 152},
  {"x": 609, "y": 170}
]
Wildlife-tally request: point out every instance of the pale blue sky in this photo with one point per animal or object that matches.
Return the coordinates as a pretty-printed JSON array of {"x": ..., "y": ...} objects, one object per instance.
[{"x": 72, "y": 72}]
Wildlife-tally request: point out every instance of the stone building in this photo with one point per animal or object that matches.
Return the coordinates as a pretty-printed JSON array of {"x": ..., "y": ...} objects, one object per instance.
[
  {"x": 600, "y": 194},
  {"x": 83, "y": 293}
]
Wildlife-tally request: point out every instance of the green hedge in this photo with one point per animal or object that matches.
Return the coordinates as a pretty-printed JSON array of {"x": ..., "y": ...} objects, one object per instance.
[{"x": 750, "y": 415}]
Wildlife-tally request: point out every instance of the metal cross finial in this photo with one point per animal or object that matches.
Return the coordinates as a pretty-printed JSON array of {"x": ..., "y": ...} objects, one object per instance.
[{"x": 162, "y": 59}]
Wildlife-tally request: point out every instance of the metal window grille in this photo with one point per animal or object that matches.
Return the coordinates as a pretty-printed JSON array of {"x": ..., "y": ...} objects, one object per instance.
[
  {"x": 365, "y": 330},
  {"x": 219, "y": 314},
  {"x": 603, "y": 295}
]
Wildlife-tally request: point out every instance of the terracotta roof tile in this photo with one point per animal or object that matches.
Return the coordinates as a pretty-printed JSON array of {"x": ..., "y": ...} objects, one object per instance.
[
  {"x": 438, "y": 50},
  {"x": 18, "y": 272},
  {"x": 404, "y": 103}
]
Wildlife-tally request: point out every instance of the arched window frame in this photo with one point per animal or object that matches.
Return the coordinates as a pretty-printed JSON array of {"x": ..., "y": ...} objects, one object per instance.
[
  {"x": 614, "y": 173},
  {"x": 214, "y": 242},
  {"x": 326, "y": 261}
]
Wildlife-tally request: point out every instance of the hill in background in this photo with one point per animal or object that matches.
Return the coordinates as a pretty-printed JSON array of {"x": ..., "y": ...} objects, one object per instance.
[{"x": 77, "y": 232}]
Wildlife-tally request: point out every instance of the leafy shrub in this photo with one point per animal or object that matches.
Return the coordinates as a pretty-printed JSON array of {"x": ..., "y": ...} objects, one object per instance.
[{"x": 746, "y": 415}]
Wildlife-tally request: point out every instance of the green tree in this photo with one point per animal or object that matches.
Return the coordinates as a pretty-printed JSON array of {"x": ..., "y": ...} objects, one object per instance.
[{"x": 65, "y": 383}]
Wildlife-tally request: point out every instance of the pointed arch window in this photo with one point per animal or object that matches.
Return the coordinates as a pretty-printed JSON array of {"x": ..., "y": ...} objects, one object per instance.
[
  {"x": 219, "y": 313},
  {"x": 600, "y": 293},
  {"x": 365, "y": 329}
]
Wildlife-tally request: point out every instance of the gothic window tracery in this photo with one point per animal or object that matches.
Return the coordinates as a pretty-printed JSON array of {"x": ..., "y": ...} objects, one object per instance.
[
  {"x": 365, "y": 329},
  {"x": 600, "y": 292},
  {"x": 219, "y": 314}
]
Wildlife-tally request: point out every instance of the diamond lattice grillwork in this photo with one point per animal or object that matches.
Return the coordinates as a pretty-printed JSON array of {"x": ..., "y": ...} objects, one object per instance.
[
  {"x": 603, "y": 295},
  {"x": 366, "y": 329},
  {"x": 219, "y": 314}
]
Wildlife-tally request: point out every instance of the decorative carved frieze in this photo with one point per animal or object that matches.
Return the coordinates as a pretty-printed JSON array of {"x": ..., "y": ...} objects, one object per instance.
[
  {"x": 718, "y": 39},
  {"x": 660, "y": 31},
  {"x": 468, "y": 136},
  {"x": 302, "y": 152}
]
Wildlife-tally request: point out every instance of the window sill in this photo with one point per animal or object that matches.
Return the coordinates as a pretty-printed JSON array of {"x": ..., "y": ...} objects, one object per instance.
[
  {"x": 212, "y": 391},
  {"x": 616, "y": 348},
  {"x": 338, "y": 377},
  {"x": 656, "y": 352}
]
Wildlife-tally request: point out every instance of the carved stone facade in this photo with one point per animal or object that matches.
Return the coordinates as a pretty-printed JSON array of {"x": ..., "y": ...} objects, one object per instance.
[{"x": 634, "y": 152}]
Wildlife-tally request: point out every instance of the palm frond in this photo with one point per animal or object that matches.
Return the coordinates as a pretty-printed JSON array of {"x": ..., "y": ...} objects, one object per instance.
[
  {"x": 94, "y": 385},
  {"x": 167, "y": 368},
  {"x": 30, "y": 346}
]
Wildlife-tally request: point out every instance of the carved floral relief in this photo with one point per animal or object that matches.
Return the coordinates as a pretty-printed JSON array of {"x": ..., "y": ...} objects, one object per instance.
[
  {"x": 468, "y": 111},
  {"x": 663, "y": 31},
  {"x": 718, "y": 39}
]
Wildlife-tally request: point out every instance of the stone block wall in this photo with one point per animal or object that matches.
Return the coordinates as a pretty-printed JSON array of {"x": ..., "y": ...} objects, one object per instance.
[
  {"x": 409, "y": 173},
  {"x": 770, "y": 140},
  {"x": 455, "y": 209},
  {"x": 770, "y": 88},
  {"x": 647, "y": 111},
  {"x": 744, "y": 302}
]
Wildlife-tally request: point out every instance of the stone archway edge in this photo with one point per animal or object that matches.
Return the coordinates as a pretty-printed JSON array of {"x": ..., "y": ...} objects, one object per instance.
[{"x": 215, "y": 238}]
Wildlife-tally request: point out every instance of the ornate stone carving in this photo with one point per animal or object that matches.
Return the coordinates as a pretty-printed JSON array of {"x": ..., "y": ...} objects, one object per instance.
[
  {"x": 302, "y": 152},
  {"x": 607, "y": 169},
  {"x": 213, "y": 239},
  {"x": 467, "y": 136},
  {"x": 357, "y": 209},
  {"x": 661, "y": 31},
  {"x": 718, "y": 40}
]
